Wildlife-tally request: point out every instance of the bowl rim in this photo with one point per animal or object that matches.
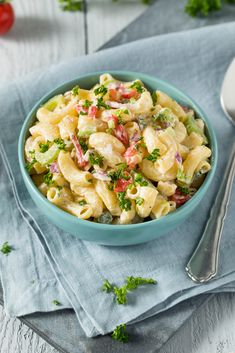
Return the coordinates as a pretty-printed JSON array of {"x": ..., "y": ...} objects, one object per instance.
[{"x": 180, "y": 212}]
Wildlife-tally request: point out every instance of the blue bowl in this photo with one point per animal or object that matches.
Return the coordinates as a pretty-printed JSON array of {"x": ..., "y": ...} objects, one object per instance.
[{"x": 106, "y": 234}]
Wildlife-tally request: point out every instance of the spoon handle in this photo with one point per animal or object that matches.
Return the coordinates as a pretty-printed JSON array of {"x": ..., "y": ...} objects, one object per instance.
[{"x": 203, "y": 263}]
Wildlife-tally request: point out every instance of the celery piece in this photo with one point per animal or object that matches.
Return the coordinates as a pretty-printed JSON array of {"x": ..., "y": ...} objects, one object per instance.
[
  {"x": 54, "y": 102},
  {"x": 48, "y": 156},
  {"x": 192, "y": 126}
]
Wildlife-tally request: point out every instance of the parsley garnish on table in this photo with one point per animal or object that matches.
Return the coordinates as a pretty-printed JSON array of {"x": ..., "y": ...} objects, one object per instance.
[
  {"x": 6, "y": 248},
  {"x": 56, "y": 302},
  {"x": 120, "y": 334}
]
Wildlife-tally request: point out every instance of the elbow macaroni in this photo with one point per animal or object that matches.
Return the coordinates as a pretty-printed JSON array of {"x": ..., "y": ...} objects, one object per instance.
[{"x": 109, "y": 154}]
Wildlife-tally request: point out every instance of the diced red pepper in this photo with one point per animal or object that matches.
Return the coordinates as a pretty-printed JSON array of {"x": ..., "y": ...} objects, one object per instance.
[
  {"x": 92, "y": 111},
  {"x": 79, "y": 152},
  {"x": 121, "y": 133},
  {"x": 122, "y": 184},
  {"x": 131, "y": 156},
  {"x": 179, "y": 198}
]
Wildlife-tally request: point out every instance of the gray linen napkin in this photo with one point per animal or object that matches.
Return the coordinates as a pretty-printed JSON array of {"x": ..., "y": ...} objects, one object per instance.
[{"x": 72, "y": 271}]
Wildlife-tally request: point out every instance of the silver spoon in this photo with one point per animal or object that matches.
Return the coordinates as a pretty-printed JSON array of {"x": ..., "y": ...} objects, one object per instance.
[{"x": 203, "y": 263}]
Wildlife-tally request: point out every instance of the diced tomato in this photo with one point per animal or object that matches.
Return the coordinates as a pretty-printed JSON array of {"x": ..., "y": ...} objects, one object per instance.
[
  {"x": 121, "y": 133},
  {"x": 114, "y": 94},
  {"x": 92, "y": 111},
  {"x": 122, "y": 184},
  {"x": 79, "y": 153},
  {"x": 128, "y": 94},
  {"x": 179, "y": 198},
  {"x": 131, "y": 156}
]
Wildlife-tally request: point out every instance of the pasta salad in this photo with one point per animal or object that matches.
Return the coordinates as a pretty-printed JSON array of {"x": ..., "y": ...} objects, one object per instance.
[{"x": 116, "y": 153}]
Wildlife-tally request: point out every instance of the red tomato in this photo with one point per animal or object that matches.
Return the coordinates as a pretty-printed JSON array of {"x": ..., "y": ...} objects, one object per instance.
[
  {"x": 121, "y": 133},
  {"x": 128, "y": 94},
  {"x": 122, "y": 184},
  {"x": 179, "y": 198},
  {"x": 7, "y": 17},
  {"x": 114, "y": 94},
  {"x": 131, "y": 156}
]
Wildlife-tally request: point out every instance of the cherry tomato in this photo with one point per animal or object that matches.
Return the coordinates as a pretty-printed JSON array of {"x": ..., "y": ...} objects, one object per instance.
[{"x": 7, "y": 17}]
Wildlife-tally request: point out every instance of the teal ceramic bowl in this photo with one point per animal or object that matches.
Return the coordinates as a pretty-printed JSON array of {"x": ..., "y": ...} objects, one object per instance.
[{"x": 117, "y": 235}]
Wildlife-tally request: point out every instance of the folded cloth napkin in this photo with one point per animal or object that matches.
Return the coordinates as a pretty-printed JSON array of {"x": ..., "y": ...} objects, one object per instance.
[{"x": 47, "y": 264}]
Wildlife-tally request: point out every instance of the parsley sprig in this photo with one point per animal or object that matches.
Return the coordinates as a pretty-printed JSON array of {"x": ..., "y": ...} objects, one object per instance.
[
  {"x": 6, "y": 248},
  {"x": 101, "y": 104},
  {"x": 60, "y": 143},
  {"x": 56, "y": 302},
  {"x": 75, "y": 90},
  {"x": 71, "y": 5},
  {"x": 29, "y": 165},
  {"x": 43, "y": 147},
  {"x": 120, "y": 334},
  {"x": 131, "y": 283},
  {"x": 48, "y": 178},
  {"x": 139, "y": 179}
]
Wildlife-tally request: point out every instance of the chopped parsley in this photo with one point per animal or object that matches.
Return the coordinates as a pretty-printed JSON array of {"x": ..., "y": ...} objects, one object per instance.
[
  {"x": 87, "y": 104},
  {"x": 96, "y": 159},
  {"x": 48, "y": 178},
  {"x": 60, "y": 143},
  {"x": 139, "y": 179},
  {"x": 117, "y": 174},
  {"x": 101, "y": 90},
  {"x": 124, "y": 203},
  {"x": 154, "y": 155},
  {"x": 154, "y": 97},
  {"x": 83, "y": 113},
  {"x": 75, "y": 90},
  {"x": 134, "y": 282},
  {"x": 83, "y": 145},
  {"x": 181, "y": 176},
  {"x": 6, "y": 248},
  {"x": 139, "y": 201},
  {"x": 184, "y": 190},
  {"x": 120, "y": 334},
  {"x": 137, "y": 85},
  {"x": 82, "y": 202},
  {"x": 126, "y": 111},
  {"x": 71, "y": 5},
  {"x": 44, "y": 146},
  {"x": 101, "y": 104},
  {"x": 56, "y": 302},
  {"x": 30, "y": 165}
]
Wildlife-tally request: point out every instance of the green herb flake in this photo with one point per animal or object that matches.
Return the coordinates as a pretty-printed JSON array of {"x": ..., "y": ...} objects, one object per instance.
[
  {"x": 134, "y": 282},
  {"x": 83, "y": 145},
  {"x": 184, "y": 190},
  {"x": 121, "y": 294},
  {"x": 120, "y": 334},
  {"x": 137, "y": 85},
  {"x": 139, "y": 179},
  {"x": 43, "y": 147},
  {"x": 87, "y": 104},
  {"x": 56, "y": 302},
  {"x": 107, "y": 287},
  {"x": 101, "y": 104},
  {"x": 154, "y": 98},
  {"x": 124, "y": 203},
  {"x": 6, "y": 248},
  {"x": 82, "y": 202},
  {"x": 60, "y": 143},
  {"x": 204, "y": 7},
  {"x": 139, "y": 201},
  {"x": 117, "y": 174},
  {"x": 29, "y": 165},
  {"x": 101, "y": 90},
  {"x": 154, "y": 155},
  {"x": 48, "y": 178},
  {"x": 75, "y": 90},
  {"x": 126, "y": 111},
  {"x": 96, "y": 159}
]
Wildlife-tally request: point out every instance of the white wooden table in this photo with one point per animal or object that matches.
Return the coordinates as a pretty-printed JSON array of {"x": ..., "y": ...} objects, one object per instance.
[{"x": 45, "y": 35}]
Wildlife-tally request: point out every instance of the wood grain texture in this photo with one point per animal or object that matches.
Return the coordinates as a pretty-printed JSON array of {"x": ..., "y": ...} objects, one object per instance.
[
  {"x": 42, "y": 35},
  {"x": 16, "y": 337},
  {"x": 106, "y": 18}
]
